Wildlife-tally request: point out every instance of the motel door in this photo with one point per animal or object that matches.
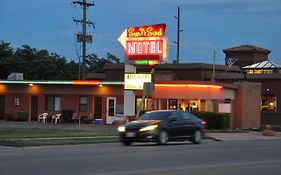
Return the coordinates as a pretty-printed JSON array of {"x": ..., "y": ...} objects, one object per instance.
[
  {"x": 34, "y": 108},
  {"x": 98, "y": 107},
  {"x": 2, "y": 107},
  {"x": 110, "y": 109}
]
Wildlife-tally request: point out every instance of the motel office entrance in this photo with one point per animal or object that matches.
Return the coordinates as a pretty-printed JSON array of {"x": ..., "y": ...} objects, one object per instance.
[
  {"x": 190, "y": 105},
  {"x": 190, "y": 96},
  {"x": 241, "y": 100}
]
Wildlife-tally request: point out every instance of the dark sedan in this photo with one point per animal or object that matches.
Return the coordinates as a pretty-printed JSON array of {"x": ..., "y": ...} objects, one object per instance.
[{"x": 163, "y": 126}]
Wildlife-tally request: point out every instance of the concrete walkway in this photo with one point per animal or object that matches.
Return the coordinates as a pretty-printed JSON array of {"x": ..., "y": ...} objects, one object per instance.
[{"x": 247, "y": 135}]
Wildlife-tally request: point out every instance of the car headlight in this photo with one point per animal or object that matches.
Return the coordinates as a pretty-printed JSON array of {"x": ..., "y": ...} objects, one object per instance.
[
  {"x": 149, "y": 128},
  {"x": 121, "y": 129}
]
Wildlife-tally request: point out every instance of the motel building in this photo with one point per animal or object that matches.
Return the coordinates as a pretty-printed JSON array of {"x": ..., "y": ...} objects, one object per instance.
[
  {"x": 248, "y": 90},
  {"x": 106, "y": 99},
  {"x": 117, "y": 94}
]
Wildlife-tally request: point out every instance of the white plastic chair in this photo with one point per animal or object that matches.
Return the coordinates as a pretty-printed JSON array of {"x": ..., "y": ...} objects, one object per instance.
[
  {"x": 76, "y": 116},
  {"x": 56, "y": 118},
  {"x": 91, "y": 117},
  {"x": 43, "y": 117}
]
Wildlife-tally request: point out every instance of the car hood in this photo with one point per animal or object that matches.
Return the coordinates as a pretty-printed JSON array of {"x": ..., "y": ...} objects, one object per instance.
[{"x": 140, "y": 123}]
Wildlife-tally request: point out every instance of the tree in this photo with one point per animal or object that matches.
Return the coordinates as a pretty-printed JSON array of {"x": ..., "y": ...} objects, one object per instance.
[
  {"x": 71, "y": 70},
  {"x": 5, "y": 50},
  {"x": 6, "y": 54},
  {"x": 35, "y": 64},
  {"x": 112, "y": 58},
  {"x": 41, "y": 65},
  {"x": 95, "y": 64}
]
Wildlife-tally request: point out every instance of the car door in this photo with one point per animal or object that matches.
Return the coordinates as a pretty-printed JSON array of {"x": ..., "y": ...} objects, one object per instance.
[
  {"x": 176, "y": 125},
  {"x": 188, "y": 124}
]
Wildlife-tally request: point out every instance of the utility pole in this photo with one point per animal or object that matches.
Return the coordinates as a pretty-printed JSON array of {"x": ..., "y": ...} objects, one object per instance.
[
  {"x": 178, "y": 34},
  {"x": 84, "y": 37},
  {"x": 214, "y": 64}
]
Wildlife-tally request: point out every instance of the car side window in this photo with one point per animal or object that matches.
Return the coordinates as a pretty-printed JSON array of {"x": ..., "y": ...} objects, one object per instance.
[
  {"x": 186, "y": 116},
  {"x": 175, "y": 116}
]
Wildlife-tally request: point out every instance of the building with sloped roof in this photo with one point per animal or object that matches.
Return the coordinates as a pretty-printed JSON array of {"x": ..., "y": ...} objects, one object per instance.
[
  {"x": 264, "y": 67},
  {"x": 256, "y": 67},
  {"x": 246, "y": 54}
]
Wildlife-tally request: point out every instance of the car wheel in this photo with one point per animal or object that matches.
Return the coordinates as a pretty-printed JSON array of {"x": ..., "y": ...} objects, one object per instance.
[
  {"x": 126, "y": 143},
  {"x": 163, "y": 138},
  {"x": 197, "y": 137}
]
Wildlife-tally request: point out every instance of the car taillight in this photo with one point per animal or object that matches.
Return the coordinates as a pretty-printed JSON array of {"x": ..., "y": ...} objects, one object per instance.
[{"x": 203, "y": 122}]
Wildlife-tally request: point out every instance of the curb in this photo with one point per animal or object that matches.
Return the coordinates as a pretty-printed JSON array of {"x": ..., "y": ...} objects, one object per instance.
[
  {"x": 60, "y": 138},
  {"x": 211, "y": 138}
]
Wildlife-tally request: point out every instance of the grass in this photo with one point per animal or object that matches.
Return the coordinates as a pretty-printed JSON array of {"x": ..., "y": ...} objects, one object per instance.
[
  {"x": 9, "y": 133},
  {"x": 39, "y": 137}
]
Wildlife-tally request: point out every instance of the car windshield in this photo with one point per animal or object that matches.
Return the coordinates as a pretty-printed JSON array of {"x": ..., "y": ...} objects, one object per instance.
[{"x": 161, "y": 115}]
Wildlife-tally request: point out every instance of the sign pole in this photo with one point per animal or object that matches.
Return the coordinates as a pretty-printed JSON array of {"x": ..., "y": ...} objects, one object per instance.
[{"x": 129, "y": 95}]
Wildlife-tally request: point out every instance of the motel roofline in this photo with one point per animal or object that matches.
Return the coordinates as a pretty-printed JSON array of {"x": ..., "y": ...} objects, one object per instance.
[
  {"x": 200, "y": 84},
  {"x": 179, "y": 66},
  {"x": 246, "y": 48}
]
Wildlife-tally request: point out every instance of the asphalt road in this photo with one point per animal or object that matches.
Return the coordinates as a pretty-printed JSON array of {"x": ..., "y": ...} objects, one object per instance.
[{"x": 258, "y": 157}]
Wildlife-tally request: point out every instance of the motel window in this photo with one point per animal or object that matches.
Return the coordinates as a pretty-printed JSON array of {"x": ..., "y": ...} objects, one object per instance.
[
  {"x": 147, "y": 104},
  {"x": 173, "y": 103},
  {"x": 53, "y": 103},
  {"x": 83, "y": 104},
  {"x": 268, "y": 71},
  {"x": 250, "y": 71},
  {"x": 259, "y": 71},
  {"x": 269, "y": 103}
]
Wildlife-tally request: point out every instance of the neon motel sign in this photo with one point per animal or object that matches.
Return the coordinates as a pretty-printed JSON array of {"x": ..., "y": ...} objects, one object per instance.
[{"x": 145, "y": 44}]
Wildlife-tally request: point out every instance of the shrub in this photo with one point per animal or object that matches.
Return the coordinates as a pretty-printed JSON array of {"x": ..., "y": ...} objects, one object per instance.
[
  {"x": 215, "y": 120},
  {"x": 10, "y": 117},
  {"x": 21, "y": 116},
  {"x": 276, "y": 128},
  {"x": 18, "y": 117},
  {"x": 67, "y": 115}
]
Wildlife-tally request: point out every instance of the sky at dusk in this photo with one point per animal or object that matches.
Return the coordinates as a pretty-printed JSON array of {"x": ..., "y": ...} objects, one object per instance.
[{"x": 207, "y": 25}]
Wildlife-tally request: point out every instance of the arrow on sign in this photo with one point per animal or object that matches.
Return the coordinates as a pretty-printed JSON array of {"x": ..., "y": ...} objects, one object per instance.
[{"x": 122, "y": 38}]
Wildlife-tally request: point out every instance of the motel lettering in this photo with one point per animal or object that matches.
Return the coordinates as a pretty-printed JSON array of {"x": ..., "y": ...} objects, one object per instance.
[{"x": 144, "y": 47}]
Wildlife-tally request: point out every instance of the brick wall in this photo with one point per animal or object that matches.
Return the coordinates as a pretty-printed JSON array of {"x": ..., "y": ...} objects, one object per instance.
[{"x": 247, "y": 105}]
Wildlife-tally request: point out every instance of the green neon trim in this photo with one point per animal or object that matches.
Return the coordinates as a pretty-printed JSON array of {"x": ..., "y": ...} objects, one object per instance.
[
  {"x": 111, "y": 83},
  {"x": 141, "y": 62},
  {"x": 34, "y": 82}
]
